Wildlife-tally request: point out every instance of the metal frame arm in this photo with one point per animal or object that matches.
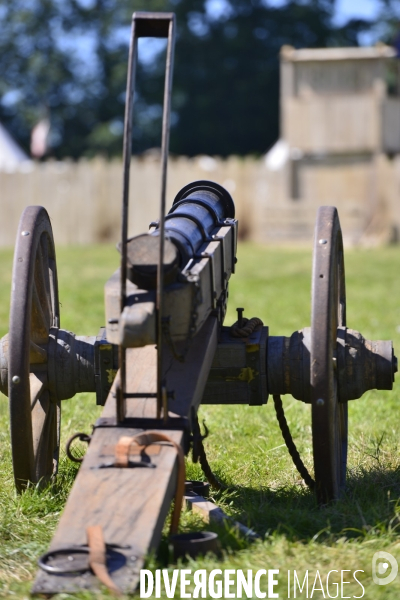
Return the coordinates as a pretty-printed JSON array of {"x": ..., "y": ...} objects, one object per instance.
[{"x": 159, "y": 25}]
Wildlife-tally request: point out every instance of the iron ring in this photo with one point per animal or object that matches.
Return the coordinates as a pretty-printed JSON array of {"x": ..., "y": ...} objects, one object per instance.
[
  {"x": 53, "y": 570},
  {"x": 83, "y": 437}
]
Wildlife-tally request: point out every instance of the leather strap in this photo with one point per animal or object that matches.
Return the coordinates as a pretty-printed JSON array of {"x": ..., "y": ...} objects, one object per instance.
[
  {"x": 146, "y": 439},
  {"x": 122, "y": 451},
  {"x": 97, "y": 558}
]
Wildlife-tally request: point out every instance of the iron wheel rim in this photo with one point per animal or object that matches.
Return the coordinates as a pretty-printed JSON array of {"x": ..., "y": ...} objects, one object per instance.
[
  {"x": 329, "y": 416},
  {"x": 34, "y": 415}
]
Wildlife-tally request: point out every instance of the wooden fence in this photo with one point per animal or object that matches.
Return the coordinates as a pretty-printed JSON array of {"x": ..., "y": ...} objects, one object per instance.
[{"x": 84, "y": 198}]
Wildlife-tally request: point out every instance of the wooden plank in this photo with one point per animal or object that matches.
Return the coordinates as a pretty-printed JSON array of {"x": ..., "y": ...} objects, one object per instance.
[
  {"x": 181, "y": 299},
  {"x": 130, "y": 504},
  {"x": 186, "y": 379},
  {"x": 391, "y": 125},
  {"x": 210, "y": 512},
  {"x": 325, "y": 54},
  {"x": 336, "y": 123}
]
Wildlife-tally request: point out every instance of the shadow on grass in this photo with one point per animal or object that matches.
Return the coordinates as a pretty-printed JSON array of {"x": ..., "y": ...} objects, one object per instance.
[{"x": 369, "y": 506}]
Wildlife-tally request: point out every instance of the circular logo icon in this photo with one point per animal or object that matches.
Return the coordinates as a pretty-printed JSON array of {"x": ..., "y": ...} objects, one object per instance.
[{"x": 384, "y": 568}]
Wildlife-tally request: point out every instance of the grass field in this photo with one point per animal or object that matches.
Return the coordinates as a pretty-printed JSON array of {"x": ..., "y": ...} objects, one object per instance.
[{"x": 245, "y": 447}]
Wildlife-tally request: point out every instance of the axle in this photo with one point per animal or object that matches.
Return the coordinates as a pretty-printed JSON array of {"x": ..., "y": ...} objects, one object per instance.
[
  {"x": 71, "y": 364},
  {"x": 361, "y": 364},
  {"x": 244, "y": 370}
]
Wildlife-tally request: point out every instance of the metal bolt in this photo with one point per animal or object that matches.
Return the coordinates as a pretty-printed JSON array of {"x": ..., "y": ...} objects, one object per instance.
[
  {"x": 25, "y": 233},
  {"x": 322, "y": 242},
  {"x": 240, "y": 316},
  {"x": 320, "y": 402},
  {"x": 16, "y": 379}
]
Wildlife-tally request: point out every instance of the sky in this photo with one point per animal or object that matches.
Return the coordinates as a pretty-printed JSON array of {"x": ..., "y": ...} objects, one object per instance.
[{"x": 346, "y": 9}]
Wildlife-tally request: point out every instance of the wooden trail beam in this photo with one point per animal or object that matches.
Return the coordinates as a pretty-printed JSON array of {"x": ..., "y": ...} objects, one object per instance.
[{"x": 130, "y": 504}]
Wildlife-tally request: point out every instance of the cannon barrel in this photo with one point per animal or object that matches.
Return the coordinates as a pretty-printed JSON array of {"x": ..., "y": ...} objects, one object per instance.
[
  {"x": 198, "y": 210},
  {"x": 199, "y": 258}
]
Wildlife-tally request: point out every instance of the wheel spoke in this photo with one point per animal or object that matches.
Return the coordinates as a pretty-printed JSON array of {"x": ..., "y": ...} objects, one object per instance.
[
  {"x": 37, "y": 355},
  {"x": 37, "y": 382},
  {"x": 46, "y": 266},
  {"x": 39, "y": 323},
  {"x": 39, "y": 413},
  {"x": 44, "y": 421},
  {"x": 53, "y": 293},
  {"x": 41, "y": 283}
]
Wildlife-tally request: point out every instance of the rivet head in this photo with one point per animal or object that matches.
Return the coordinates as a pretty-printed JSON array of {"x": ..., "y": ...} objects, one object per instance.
[
  {"x": 16, "y": 379},
  {"x": 25, "y": 233},
  {"x": 320, "y": 402},
  {"x": 322, "y": 242}
]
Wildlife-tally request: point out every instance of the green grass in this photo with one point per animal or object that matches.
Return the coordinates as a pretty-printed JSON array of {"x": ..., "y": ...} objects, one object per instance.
[{"x": 245, "y": 447}]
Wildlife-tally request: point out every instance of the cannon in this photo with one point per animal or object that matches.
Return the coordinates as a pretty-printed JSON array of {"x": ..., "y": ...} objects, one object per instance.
[{"x": 163, "y": 351}]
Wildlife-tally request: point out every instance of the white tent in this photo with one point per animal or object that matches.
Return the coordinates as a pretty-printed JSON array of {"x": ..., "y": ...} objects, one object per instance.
[{"x": 12, "y": 157}]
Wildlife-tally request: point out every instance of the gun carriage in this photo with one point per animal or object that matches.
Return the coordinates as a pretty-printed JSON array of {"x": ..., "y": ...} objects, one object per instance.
[{"x": 163, "y": 352}]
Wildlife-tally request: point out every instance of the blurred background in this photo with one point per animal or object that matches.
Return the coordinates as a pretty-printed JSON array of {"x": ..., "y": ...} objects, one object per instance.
[{"x": 288, "y": 104}]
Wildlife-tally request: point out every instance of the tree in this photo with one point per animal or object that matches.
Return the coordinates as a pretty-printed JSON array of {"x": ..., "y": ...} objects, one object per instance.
[{"x": 69, "y": 57}]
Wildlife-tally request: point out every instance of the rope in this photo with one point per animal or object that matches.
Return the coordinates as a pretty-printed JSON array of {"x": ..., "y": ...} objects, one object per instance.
[
  {"x": 199, "y": 454},
  {"x": 291, "y": 446},
  {"x": 247, "y": 326}
]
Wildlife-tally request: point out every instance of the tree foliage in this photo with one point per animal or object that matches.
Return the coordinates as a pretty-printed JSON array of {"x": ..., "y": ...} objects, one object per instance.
[{"x": 68, "y": 58}]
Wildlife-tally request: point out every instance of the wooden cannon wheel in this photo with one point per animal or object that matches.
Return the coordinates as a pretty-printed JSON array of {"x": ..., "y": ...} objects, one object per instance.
[
  {"x": 329, "y": 416},
  {"x": 34, "y": 417}
]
